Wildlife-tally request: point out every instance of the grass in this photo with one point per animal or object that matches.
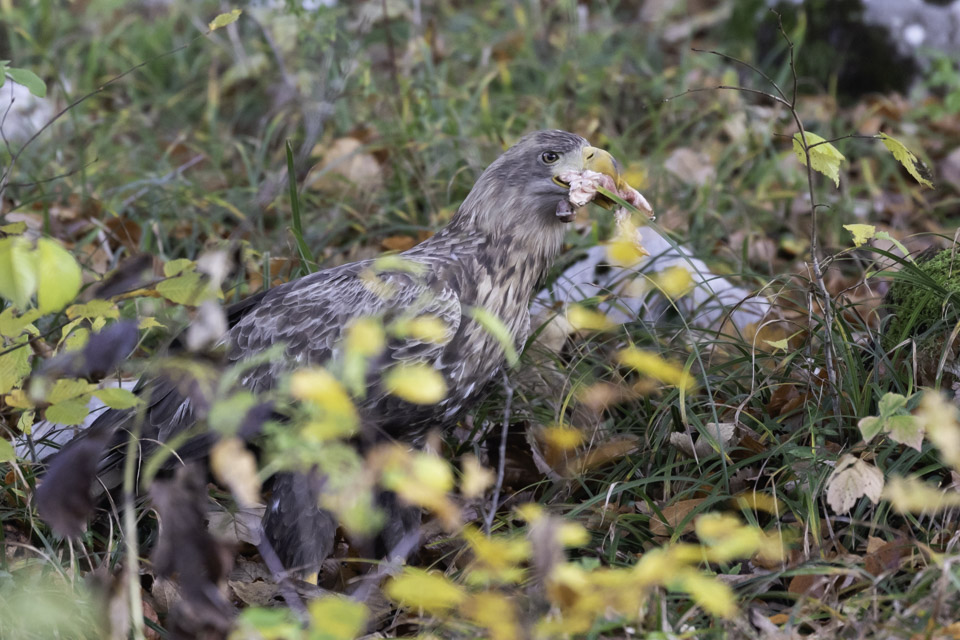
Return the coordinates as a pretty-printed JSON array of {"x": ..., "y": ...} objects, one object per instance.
[{"x": 191, "y": 152}]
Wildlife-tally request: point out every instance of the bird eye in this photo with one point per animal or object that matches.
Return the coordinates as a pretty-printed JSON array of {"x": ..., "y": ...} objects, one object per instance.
[{"x": 549, "y": 157}]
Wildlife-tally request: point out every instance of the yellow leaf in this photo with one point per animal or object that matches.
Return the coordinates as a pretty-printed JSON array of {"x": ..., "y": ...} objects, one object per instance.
[
  {"x": 224, "y": 19},
  {"x": 495, "y": 612},
  {"x": 236, "y": 467},
  {"x": 572, "y": 534},
  {"x": 476, "y": 478},
  {"x": 417, "y": 383},
  {"x": 711, "y": 594},
  {"x": 18, "y": 399},
  {"x": 938, "y": 417},
  {"x": 861, "y": 232},
  {"x": 429, "y": 591},
  {"x": 760, "y": 502},
  {"x": 584, "y": 319},
  {"x": 365, "y": 337},
  {"x": 675, "y": 282},
  {"x": 496, "y": 558},
  {"x": 563, "y": 437},
  {"x": 425, "y": 328},
  {"x": 823, "y": 157},
  {"x": 336, "y": 618},
  {"x": 336, "y": 415},
  {"x": 909, "y": 161},
  {"x": 625, "y": 250},
  {"x": 913, "y": 495},
  {"x": 652, "y": 365}
]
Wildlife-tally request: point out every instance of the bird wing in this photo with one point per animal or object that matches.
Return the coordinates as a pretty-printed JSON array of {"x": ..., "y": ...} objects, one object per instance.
[{"x": 311, "y": 315}]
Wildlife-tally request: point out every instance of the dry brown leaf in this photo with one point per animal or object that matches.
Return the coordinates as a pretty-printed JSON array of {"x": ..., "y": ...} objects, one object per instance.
[
  {"x": 604, "y": 453},
  {"x": 666, "y": 522}
]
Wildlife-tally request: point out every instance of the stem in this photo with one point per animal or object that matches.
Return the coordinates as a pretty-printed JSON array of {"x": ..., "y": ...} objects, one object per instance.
[
  {"x": 501, "y": 463},
  {"x": 130, "y": 528}
]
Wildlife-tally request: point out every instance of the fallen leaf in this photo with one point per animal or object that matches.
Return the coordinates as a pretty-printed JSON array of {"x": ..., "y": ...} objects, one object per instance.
[{"x": 852, "y": 479}]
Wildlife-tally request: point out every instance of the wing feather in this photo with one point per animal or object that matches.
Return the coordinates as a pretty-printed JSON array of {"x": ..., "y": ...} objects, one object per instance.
[{"x": 310, "y": 316}]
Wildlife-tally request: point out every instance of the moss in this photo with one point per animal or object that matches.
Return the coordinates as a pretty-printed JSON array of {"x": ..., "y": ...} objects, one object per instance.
[{"x": 917, "y": 308}]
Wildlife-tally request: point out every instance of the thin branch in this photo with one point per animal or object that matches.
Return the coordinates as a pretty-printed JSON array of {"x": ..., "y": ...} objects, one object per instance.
[
  {"x": 746, "y": 64},
  {"x": 501, "y": 463},
  {"x": 726, "y": 87},
  {"x": 66, "y": 174}
]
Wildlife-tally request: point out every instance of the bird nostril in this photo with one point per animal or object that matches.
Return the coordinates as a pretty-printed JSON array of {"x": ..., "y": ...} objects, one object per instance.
[{"x": 590, "y": 155}]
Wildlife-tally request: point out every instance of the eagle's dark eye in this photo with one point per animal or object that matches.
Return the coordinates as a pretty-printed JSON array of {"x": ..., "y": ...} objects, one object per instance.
[{"x": 549, "y": 157}]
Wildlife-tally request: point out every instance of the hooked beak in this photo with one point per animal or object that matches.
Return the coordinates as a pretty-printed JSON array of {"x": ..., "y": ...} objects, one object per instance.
[{"x": 594, "y": 159}]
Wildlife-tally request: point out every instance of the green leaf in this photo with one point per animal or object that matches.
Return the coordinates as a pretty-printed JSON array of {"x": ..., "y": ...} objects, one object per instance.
[
  {"x": 224, "y": 19},
  {"x": 117, "y": 398},
  {"x": 870, "y": 427},
  {"x": 909, "y": 161},
  {"x": 906, "y": 429},
  {"x": 7, "y": 454},
  {"x": 178, "y": 266},
  {"x": 891, "y": 403},
  {"x": 861, "y": 232},
  {"x": 14, "y": 367},
  {"x": 30, "y": 80},
  {"x": 59, "y": 276},
  {"x": 14, "y": 228},
  {"x": 18, "y": 271},
  {"x": 68, "y": 412},
  {"x": 67, "y": 389},
  {"x": 188, "y": 289},
  {"x": 12, "y": 325},
  {"x": 823, "y": 157}
]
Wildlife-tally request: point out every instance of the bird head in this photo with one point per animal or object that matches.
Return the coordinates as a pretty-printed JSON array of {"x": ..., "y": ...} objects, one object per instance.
[{"x": 523, "y": 186}]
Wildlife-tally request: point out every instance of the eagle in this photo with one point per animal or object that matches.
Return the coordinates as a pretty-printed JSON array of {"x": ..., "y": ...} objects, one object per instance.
[{"x": 492, "y": 255}]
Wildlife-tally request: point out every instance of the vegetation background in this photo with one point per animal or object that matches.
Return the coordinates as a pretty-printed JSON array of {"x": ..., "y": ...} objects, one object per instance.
[{"x": 789, "y": 478}]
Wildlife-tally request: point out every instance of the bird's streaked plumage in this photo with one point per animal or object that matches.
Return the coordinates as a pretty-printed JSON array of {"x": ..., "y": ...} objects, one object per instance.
[{"x": 492, "y": 255}]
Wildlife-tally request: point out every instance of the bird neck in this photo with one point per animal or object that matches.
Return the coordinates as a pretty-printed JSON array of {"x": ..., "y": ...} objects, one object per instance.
[{"x": 511, "y": 235}]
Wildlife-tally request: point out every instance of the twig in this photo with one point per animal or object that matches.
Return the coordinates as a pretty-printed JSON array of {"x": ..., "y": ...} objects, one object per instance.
[
  {"x": 501, "y": 463},
  {"x": 65, "y": 174},
  {"x": 400, "y": 552},
  {"x": 270, "y": 558}
]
